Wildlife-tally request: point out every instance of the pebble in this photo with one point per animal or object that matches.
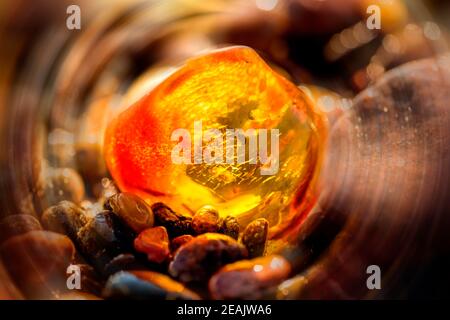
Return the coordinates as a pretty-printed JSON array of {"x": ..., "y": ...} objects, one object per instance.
[
  {"x": 124, "y": 261},
  {"x": 103, "y": 238},
  {"x": 154, "y": 242},
  {"x": 37, "y": 261},
  {"x": 175, "y": 223},
  {"x": 230, "y": 226},
  {"x": 65, "y": 218},
  {"x": 254, "y": 237},
  {"x": 131, "y": 209},
  {"x": 249, "y": 279},
  {"x": 143, "y": 285},
  {"x": 199, "y": 258},
  {"x": 17, "y": 224},
  {"x": 206, "y": 219},
  {"x": 179, "y": 241}
]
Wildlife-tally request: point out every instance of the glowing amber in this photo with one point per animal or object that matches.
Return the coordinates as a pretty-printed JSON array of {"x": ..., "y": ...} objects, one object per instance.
[{"x": 225, "y": 89}]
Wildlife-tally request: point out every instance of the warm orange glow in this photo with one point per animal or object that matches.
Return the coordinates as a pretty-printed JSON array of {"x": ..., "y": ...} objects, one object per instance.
[{"x": 228, "y": 88}]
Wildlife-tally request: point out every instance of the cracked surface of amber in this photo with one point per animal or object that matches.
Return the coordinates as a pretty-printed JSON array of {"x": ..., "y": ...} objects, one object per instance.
[{"x": 229, "y": 88}]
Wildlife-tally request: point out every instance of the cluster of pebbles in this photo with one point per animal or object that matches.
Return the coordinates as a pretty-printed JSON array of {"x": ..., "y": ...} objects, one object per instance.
[{"x": 128, "y": 249}]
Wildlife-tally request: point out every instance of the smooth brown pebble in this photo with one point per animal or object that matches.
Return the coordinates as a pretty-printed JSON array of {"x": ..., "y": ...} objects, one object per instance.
[
  {"x": 175, "y": 223},
  {"x": 179, "y": 241},
  {"x": 124, "y": 261},
  {"x": 254, "y": 237},
  {"x": 65, "y": 218},
  {"x": 205, "y": 254},
  {"x": 103, "y": 238},
  {"x": 206, "y": 219},
  {"x": 230, "y": 226},
  {"x": 249, "y": 279},
  {"x": 134, "y": 211}
]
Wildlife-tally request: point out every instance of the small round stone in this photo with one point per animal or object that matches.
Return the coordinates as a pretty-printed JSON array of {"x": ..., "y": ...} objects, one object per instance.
[
  {"x": 179, "y": 241},
  {"x": 134, "y": 211},
  {"x": 254, "y": 237},
  {"x": 230, "y": 226},
  {"x": 206, "y": 219},
  {"x": 155, "y": 243},
  {"x": 202, "y": 256},
  {"x": 175, "y": 223},
  {"x": 103, "y": 238},
  {"x": 124, "y": 261},
  {"x": 249, "y": 279},
  {"x": 65, "y": 218}
]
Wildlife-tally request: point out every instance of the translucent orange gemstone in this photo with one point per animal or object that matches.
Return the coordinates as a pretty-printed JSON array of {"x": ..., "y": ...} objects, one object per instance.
[{"x": 225, "y": 89}]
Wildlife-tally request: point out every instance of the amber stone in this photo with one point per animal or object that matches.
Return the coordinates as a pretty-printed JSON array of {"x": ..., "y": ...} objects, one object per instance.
[{"x": 231, "y": 88}]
